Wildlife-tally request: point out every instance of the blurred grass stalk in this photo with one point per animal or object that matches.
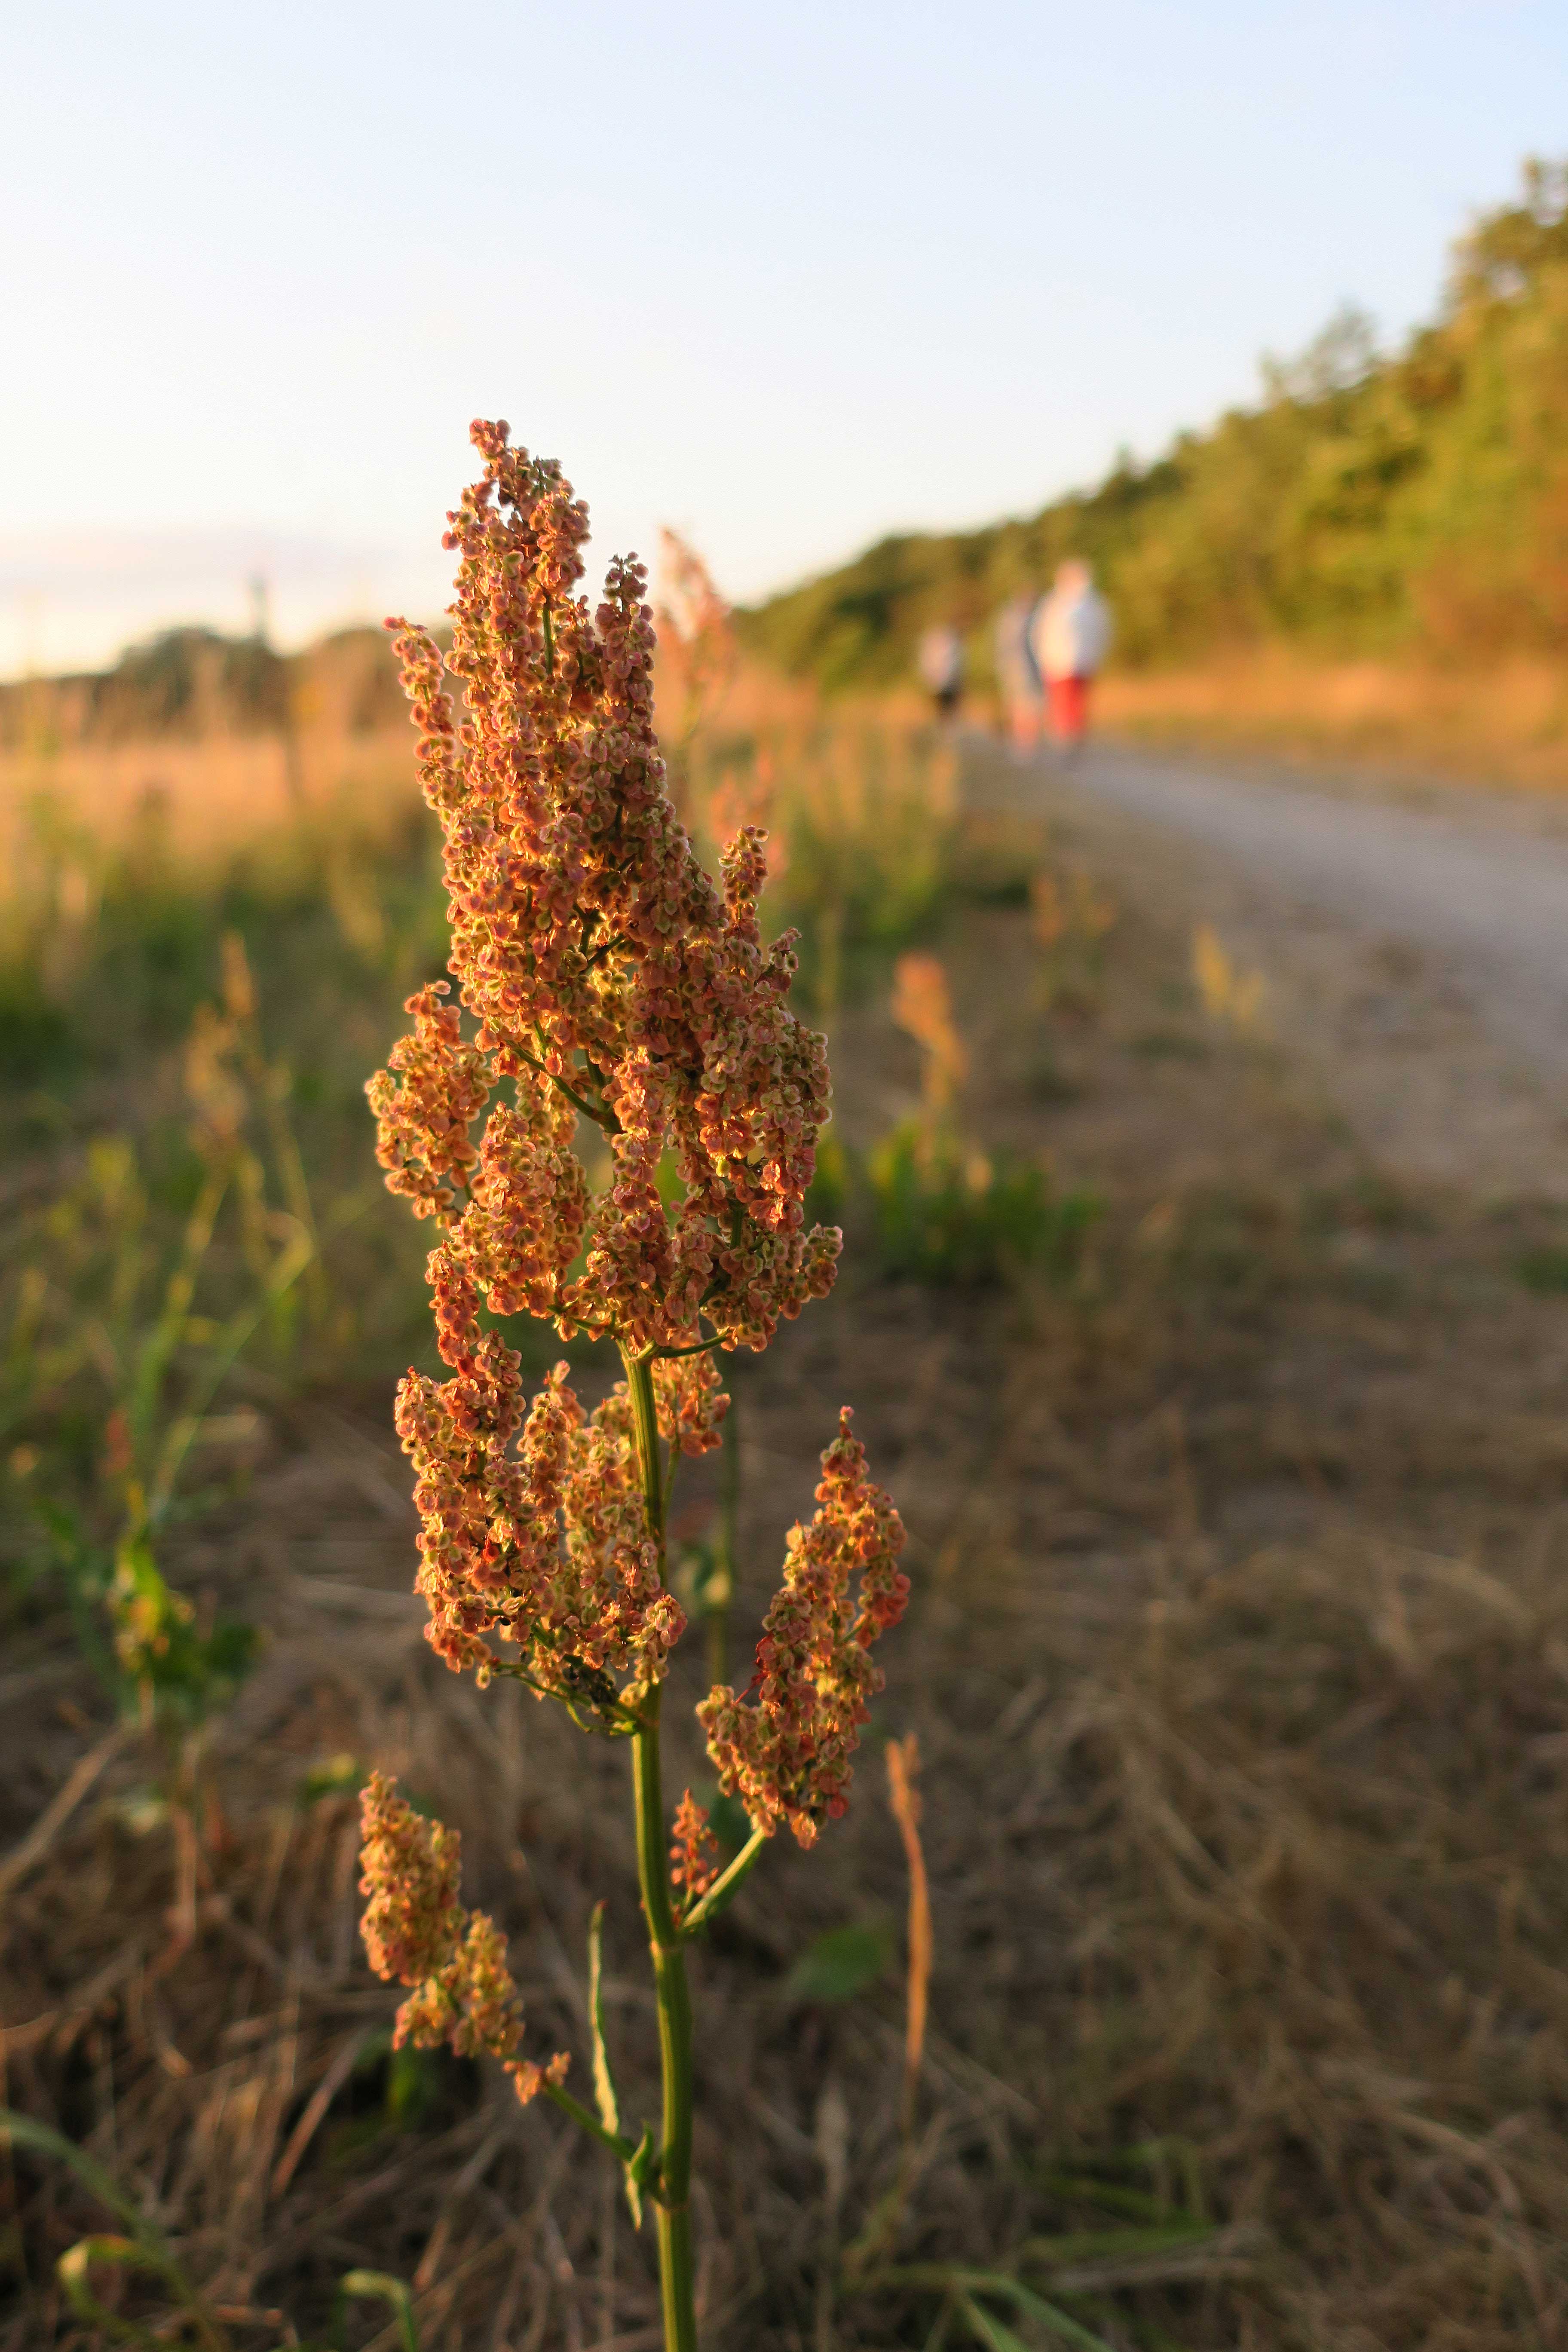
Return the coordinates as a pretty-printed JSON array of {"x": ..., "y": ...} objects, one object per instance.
[{"x": 904, "y": 1799}]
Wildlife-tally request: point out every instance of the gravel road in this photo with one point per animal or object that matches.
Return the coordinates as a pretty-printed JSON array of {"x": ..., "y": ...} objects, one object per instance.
[
  {"x": 1413, "y": 948},
  {"x": 1487, "y": 887}
]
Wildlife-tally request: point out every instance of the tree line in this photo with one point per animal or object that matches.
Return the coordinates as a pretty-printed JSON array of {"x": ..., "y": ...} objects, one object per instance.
[{"x": 1410, "y": 503}]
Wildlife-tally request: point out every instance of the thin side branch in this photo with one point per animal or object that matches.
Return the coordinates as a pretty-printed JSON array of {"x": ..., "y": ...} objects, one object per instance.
[
  {"x": 725, "y": 1887},
  {"x": 600, "y": 1113},
  {"x": 619, "y": 2145}
]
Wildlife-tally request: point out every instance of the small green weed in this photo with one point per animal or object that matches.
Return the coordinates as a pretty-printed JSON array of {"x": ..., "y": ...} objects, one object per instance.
[
  {"x": 1064, "y": 2285},
  {"x": 142, "y": 2252},
  {"x": 947, "y": 1215},
  {"x": 840, "y": 1964},
  {"x": 1544, "y": 1269}
]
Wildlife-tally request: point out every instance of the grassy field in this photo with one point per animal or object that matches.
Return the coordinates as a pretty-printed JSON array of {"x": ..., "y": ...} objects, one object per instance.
[{"x": 1237, "y": 1656}]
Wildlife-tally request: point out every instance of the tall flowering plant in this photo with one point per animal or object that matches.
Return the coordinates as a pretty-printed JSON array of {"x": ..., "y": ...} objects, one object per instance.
[{"x": 604, "y": 980}]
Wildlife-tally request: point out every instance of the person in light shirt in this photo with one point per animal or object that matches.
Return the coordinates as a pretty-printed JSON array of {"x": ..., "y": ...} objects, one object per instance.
[{"x": 1070, "y": 635}]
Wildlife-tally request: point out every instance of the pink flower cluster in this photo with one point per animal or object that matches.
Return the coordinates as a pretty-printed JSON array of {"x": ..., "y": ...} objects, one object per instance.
[
  {"x": 416, "y": 1932},
  {"x": 693, "y": 1854},
  {"x": 546, "y": 1547},
  {"x": 787, "y": 1757},
  {"x": 692, "y": 1402},
  {"x": 603, "y": 976},
  {"x": 606, "y": 973}
]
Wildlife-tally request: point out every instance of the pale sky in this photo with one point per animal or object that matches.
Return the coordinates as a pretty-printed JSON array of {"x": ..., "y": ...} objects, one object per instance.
[{"x": 787, "y": 279}]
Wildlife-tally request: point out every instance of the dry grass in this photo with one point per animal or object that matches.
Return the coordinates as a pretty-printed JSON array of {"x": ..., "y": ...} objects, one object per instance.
[
  {"x": 1254, "y": 1851},
  {"x": 206, "y": 800},
  {"x": 1238, "y": 1666},
  {"x": 212, "y": 795},
  {"x": 1507, "y": 723}
]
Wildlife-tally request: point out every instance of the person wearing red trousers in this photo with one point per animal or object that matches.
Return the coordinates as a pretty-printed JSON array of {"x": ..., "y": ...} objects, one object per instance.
[{"x": 1070, "y": 635}]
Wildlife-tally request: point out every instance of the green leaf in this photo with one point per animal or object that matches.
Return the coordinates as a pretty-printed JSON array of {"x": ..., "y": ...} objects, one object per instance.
[
  {"x": 381, "y": 2287},
  {"x": 145, "y": 2248},
  {"x": 640, "y": 2167},
  {"x": 880, "y": 2235},
  {"x": 604, "y": 2080},
  {"x": 22, "y": 2132},
  {"x": 1050, "y": 2316},
  {"x": 1075, "y": 2188},
  {"x": 942, "y": 2328},
  {"x": 413, "y": 2080},
  {"x": 124, "y": 2253},
  {"x": 990, "y": 2331},
  {"x": 964, "y": 2286},
  {"x": 999, "y": 2337},
  {"x": 605, "y": 2092},
  {"x": 1115, "y": 2245},
  {"x": 839, "y": 1965}
]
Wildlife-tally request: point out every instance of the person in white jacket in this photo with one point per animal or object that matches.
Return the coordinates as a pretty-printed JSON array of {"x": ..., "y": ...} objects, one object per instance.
[{"x": 1070, "y": 635}]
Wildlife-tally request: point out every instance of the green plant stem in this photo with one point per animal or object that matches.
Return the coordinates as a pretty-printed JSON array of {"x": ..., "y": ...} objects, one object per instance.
[
  {"x": 725, "y": 1886},
  {"x": 673, "y": 2210}
]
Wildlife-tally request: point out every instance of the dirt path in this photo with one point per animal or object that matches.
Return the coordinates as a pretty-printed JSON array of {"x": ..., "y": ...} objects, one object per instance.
[{"x": 1417, "y": 956}]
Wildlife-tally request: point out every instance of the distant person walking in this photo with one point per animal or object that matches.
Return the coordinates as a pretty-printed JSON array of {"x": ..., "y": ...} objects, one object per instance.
[
  {"x": 1071, "y": 636},
  {"x": 1019, "y": 674},
  {"x": 941, "y": 660}
]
